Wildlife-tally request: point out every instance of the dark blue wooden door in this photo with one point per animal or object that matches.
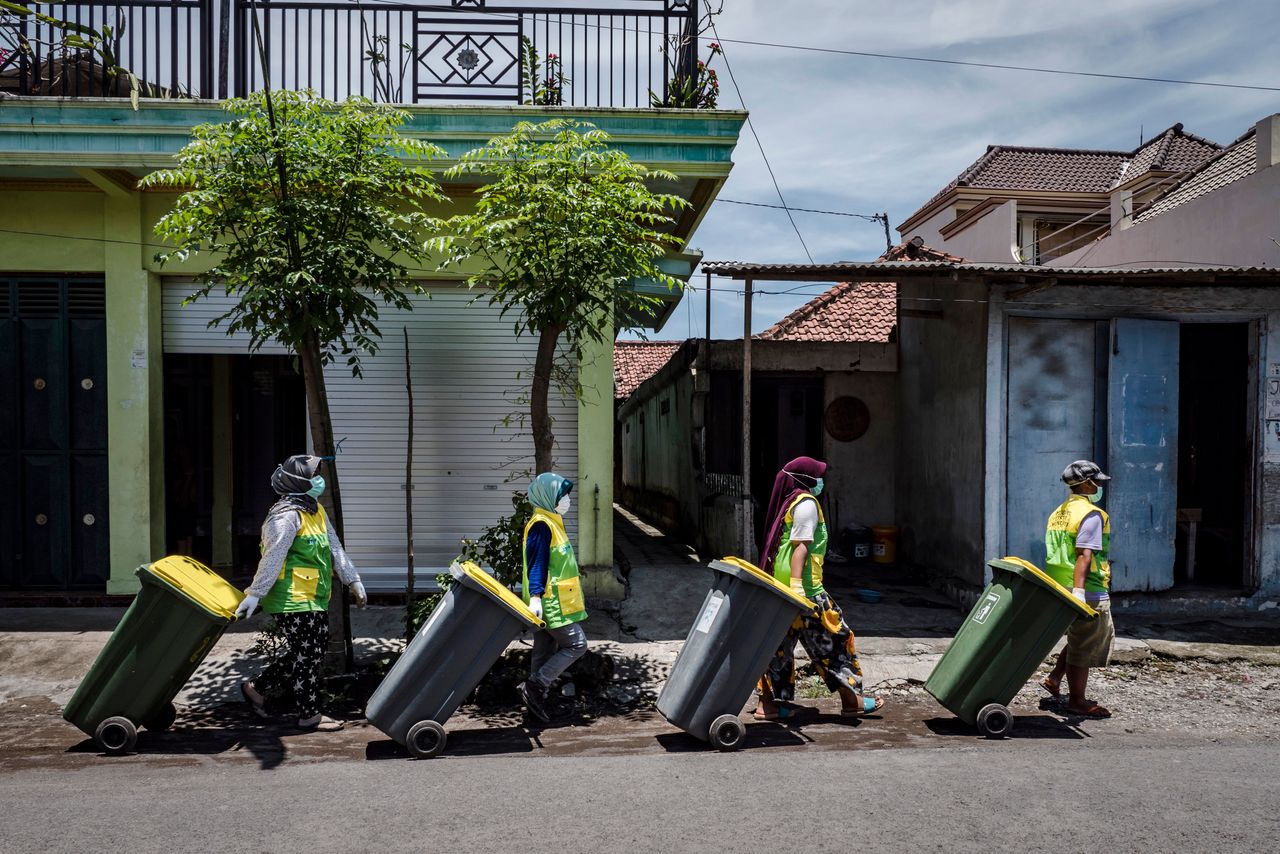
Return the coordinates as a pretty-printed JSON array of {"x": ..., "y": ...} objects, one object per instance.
[{"x": 53, "y": 434}]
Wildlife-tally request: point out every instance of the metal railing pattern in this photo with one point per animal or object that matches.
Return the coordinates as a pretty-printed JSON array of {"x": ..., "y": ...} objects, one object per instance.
[{"x": 576, "y": 52}]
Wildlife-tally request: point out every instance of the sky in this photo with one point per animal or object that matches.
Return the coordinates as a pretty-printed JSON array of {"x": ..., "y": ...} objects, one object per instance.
[{"x": 867, "y": 135}]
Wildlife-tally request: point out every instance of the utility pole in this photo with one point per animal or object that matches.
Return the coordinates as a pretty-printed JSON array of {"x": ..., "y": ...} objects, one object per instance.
[
  {"x": 748, "y": 529},
  {"x": 888, "y": 241},
  {"x": 708, "y": 335}
]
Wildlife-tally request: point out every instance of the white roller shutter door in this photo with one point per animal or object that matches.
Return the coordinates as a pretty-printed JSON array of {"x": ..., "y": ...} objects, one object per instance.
[{"x": 469, "y": 372}]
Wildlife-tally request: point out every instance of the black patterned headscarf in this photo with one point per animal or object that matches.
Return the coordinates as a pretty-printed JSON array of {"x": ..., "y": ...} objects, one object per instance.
[{"x": 292, "y": 480}]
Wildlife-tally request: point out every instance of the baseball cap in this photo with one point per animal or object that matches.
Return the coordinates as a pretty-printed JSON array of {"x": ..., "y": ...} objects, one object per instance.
[{"x": 1082, "y": 470}]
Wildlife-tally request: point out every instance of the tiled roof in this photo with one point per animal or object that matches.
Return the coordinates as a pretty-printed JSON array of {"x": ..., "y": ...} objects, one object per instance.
[
  {"x": 1238, "y": 160},
  {"x": 1175, "y": 150},
  {"x": 851, "y": 311},
  {"x": 636, "y": 361},
  {"x": 1073, "y": 170}
]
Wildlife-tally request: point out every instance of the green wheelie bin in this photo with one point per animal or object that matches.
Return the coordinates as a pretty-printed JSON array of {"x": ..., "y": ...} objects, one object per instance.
[
  {"x": 1018, "y": 618},
  {"x": 181, "y": 610}
]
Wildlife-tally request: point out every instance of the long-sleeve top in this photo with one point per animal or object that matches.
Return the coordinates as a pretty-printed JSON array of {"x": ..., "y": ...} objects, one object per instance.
[
  {"x": 278, "y": 533},
  {"x": 537, "y": 554}
]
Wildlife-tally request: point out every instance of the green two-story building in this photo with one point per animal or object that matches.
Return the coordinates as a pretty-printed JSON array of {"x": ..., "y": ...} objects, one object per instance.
[{"x": 130, "y": 427}]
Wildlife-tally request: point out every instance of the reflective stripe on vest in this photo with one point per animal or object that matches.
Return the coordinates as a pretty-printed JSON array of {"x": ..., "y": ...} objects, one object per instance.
[
  {"x": 562, "y": 601},
  {"x": 1060, "y": 545},
  {"x": 306, "y": 579},
  {"x": 812, "y": 575}
]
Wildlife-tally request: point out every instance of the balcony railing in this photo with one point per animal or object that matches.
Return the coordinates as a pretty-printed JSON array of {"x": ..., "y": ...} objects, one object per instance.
[{"x": 576, "y": 52}]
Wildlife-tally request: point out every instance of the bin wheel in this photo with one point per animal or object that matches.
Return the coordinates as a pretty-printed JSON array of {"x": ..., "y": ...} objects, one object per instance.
[
  {"x": 117, "y": 736},
  {"x": 426, "y": 739},
  {"x": 162, "y": 719},
  {"x": 726, "y": 733},
  {"x": 995, "y": 721}
]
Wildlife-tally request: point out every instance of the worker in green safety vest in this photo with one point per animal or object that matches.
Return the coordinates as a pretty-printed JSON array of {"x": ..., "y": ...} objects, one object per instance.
[
  {"x": 300, "y": 553},
  {"x": 1077, "y": 545},
  {"x": 553, "y": 590}
]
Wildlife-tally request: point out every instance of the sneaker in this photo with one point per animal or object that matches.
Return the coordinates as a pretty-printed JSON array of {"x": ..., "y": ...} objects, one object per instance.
[
  {"x": 535, "y": 700},
  {"x": 257, "y": 702},
  {"x": 320, "y": 723}
]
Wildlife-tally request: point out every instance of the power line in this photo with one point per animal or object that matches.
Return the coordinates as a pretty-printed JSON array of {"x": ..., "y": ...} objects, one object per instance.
[
  {"x": 751, "y": 126},
  {"x": 868, "y": 217},
  {"x": 996, "y": 66}
]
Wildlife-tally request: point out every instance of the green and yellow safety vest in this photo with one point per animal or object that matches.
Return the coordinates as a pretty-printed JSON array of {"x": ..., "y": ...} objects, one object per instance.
[
  {"x": 562, "y": 602},
  {"x": 811, "y": 578},
  {"x": 1060, "y": 545},
  {"x": 306, "y": 580}
]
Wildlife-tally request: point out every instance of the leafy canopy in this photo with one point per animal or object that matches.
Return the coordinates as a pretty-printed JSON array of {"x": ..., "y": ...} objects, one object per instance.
[
  {"x": 311, "y": 223},
  {"x": 562, "y": 224}
]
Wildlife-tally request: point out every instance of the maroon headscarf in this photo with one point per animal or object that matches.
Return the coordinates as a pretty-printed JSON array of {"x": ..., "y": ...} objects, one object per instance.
[{"x": 797, "y": 477}]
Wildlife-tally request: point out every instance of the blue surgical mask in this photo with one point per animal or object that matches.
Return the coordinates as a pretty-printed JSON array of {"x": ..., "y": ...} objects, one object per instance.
[
  {"x": 817, "y": 487},
  {"x": 1097, "y": 496},
  {"x": 317, "y": 487}
]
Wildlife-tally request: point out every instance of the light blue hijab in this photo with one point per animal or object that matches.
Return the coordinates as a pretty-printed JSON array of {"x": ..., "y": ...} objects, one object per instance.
[{"x": 547, "y": 489}]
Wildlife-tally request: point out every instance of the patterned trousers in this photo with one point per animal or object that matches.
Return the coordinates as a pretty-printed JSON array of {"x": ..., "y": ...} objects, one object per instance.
[
  {"x": 830, "y": 645},
  {"x": 298, "y": 670}
]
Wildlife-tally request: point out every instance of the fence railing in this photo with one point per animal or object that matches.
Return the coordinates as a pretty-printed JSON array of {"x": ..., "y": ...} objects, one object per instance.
[{"x": 576, "y": 52}]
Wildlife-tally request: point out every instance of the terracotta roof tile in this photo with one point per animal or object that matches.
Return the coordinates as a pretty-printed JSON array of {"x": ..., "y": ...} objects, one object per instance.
[
  {"x": 1236, "y": 161},
  {"x": 849, "y": 312},
  {"x": 636, "y": 361}
]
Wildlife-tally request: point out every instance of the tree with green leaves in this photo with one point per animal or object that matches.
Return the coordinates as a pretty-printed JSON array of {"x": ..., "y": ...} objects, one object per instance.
[
  {"x": 563, "y": 225},
  {"x": 310, "y": 212}
]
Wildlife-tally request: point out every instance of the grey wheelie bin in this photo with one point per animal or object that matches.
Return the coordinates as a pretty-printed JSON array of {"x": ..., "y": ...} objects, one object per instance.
[
  {"x": 741, "y": 625},
  {"x": 181, "y": 610},
  {"x": 1014, "y": 625},
  {"x": 476, "y": 620}
]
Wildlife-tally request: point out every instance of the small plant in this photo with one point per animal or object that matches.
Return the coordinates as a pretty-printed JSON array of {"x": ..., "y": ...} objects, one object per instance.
[
  {"x": 271, "y": 645},
  {"x": 499, "y": 550},
  {"x": 388, "y": 82},
  {"x": 535, "y": 88},
  {"x": 419, "y": 611},
  {"x": 699, "y": 91}
]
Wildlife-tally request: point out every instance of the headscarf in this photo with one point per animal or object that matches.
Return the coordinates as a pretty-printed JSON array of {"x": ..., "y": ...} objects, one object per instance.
[
  {"x": 547, "y": 489},
  {"x": 291, "y": 480},
  {"x": 796, "y": 478}
]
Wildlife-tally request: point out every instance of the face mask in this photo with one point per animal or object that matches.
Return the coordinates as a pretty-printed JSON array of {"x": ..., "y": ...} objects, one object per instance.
[
  {"x": 1097, "y": 496},
  {"x": 817, "y": 487},
  {"x": 317, "y": 487},
  {"x": 562, "y": 506}
]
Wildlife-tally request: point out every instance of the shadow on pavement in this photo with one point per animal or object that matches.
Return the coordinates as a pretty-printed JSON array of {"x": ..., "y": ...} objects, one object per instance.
[
  {"x": 759, "y": 735},
  {"x": 1024, "y": 727},
  {"x": 499, "y": 741}
]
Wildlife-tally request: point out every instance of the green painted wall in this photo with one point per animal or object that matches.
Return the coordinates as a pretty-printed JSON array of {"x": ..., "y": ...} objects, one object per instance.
[{"x": 594, "y": 489}]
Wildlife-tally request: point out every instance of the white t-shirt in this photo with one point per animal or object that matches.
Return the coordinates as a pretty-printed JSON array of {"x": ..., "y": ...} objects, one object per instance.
[
  {"x": 804, "y": 521},
  {"x": 1090, "y": 534}
]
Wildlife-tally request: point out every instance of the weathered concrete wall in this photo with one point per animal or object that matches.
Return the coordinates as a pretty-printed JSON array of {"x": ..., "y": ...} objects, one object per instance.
[
  {"x": 861, "y": 485},
  {"x": 941, "y": 394},
  {"x": 1234, "y": 225}
]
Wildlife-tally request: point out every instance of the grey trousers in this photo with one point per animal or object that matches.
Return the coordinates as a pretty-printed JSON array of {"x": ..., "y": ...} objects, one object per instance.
[{"x": 554, "y": 650}]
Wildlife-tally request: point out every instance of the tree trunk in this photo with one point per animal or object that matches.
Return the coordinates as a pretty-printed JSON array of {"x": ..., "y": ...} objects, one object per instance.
[
  {"x": 539, "y": 395},
  {"x": 340, "y": 657}
]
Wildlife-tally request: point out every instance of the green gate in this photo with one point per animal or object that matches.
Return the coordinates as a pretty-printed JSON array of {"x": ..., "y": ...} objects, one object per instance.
[{"x": 53, "y": 434}]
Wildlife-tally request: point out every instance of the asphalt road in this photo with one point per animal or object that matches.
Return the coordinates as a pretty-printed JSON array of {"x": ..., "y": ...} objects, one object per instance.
[{"x": 1144, "y": 795}]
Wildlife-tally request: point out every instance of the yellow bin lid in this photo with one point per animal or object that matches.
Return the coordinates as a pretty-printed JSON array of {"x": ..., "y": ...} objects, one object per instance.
[
  {"x": 769, "y": 579},
  {"x": 1045, "y": 579},
  {"x": 473, "y": 571},
  {"x": 198, "y": 583}
]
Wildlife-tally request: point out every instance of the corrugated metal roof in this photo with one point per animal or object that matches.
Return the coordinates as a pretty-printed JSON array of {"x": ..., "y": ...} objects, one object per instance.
[{"x": 846, "y": 270}]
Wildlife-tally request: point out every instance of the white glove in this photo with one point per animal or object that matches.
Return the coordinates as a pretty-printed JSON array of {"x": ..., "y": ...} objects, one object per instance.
[
  {"x": 535, "y": 605},
  {"x": 1078, "y": 592},
  {"x": 357, "y": 592},
  {"x": 246, "y": 607}
]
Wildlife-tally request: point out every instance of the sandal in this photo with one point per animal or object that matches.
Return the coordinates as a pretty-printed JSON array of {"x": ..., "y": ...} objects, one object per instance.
[
  {"x": 320, "y": 723},
  {"x": 257, "y": 702},
  {"x": 1054, "y": 687},
  {"x": 782, "y": 714},
  {"x": 1091, "y": 710},
  {"x": 870, "y": 705}
]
